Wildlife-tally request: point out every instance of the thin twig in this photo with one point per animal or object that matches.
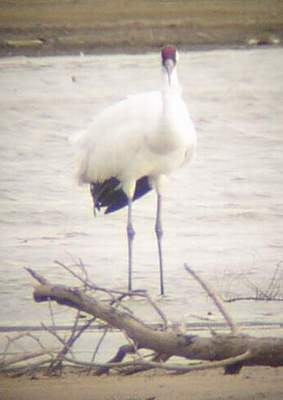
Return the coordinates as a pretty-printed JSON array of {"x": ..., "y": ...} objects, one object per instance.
[
  {"x": 23, "y": 357},
  {"x": 36, "y": 276},
  {"x": 53, "y": 332},
  {"x": 259, "y": 293},
  {"x": 89, "y": 284},
  {"x": 12, "y": 340},
  {"x": 75, "y": 334},
  {"x": 169, "y": 367},
  {"x": 155, "y": 357},
  {"x": 159, "y": 311},
  {"x": 84, "y": 270},
  {"x": 20, "y": 370},
  {"x": 99, "y": 343},
  {"x": 274, "y": 285},
  {"x": 272, "y": 293},
  {"x": 51, "y": 312},
  {"x": 215, "y": 299}
]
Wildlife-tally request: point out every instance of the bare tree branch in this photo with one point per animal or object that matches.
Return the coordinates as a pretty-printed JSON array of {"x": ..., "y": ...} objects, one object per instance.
[
  {"x": 263, "y": 351},
  {"x": 168, "y": 367}
]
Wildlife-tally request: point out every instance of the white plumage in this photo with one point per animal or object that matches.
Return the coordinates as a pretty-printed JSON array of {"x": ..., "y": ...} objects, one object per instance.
[{"x": 146, "y": 136}]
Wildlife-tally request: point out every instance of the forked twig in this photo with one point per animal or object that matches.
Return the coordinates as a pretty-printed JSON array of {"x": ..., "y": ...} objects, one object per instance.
[
  {"x": 74, "y": 336},
  {"x": 86, "y": 281},
  {"x": 53, "y": 332}
]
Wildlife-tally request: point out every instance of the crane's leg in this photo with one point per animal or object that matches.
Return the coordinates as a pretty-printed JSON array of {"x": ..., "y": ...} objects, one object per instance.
[
  {"x": 159, "y": 234},
  {"x": 131, "y": 234}
]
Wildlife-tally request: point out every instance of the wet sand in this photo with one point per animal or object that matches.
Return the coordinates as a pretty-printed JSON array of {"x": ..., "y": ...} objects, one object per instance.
[
  {"x": 50, "y": 27},
  {"x": 252, "y": 384}
]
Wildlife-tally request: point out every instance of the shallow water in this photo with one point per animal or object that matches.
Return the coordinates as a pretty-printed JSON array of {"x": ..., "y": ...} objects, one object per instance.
[{"x": 223, "y": 214}]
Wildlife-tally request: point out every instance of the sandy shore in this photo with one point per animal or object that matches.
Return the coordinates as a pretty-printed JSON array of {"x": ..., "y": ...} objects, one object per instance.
[
  {"x": 251, "y": 384},
  {"x": 30, "y": 27}
]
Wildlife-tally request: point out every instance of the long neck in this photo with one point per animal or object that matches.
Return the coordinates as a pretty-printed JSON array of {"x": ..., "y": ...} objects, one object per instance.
[
  {"x": 171, "y": 86},
  {"x": 171, "y": 90},
  {"x": 171, "y": 93}
]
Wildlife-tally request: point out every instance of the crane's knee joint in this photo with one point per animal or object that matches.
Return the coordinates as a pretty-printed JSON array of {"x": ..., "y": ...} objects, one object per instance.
[
  {"x": 158, "y": 230},
  {"x": 130, "y": 231}
]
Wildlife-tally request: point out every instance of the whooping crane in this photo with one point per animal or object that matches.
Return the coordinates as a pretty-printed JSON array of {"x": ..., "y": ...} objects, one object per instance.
[{"x": 132, "y": 145}]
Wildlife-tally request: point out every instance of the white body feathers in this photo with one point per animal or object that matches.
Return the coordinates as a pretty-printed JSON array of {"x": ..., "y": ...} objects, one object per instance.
[{"x": 148, "y": 134}]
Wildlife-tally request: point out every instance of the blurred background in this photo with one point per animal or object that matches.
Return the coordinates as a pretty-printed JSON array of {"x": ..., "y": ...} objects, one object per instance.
[{"x": 70, "y": 26}]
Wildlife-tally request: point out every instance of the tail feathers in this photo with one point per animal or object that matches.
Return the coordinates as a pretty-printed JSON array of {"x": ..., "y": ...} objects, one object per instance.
[{"x": 109, "y": 194}]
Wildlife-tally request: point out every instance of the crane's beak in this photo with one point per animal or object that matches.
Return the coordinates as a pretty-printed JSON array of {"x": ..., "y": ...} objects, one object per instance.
[{"x": 169, "y": 66}]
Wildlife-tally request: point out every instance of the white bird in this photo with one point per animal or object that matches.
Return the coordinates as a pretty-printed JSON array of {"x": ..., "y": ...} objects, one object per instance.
[{"x": 132, "y": 145}]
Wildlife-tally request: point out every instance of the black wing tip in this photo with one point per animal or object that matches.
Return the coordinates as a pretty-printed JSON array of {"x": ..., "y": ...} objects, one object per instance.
[{"x": 109, "y": 197}]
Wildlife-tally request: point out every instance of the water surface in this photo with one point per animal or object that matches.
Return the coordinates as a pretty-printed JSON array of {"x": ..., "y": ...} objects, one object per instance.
[{"x": 223, "y": 214}]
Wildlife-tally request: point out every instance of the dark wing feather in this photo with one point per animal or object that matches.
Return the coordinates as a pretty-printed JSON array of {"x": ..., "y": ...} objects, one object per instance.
[{"x": 109, "y": 194}]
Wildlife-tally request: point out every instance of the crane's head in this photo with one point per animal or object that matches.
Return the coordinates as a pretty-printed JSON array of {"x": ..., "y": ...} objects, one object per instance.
[{"x": 169, "y": 57}]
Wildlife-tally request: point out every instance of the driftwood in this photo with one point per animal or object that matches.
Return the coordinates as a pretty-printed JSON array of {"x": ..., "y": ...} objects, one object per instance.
[{"x": 231, "y": 351}]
